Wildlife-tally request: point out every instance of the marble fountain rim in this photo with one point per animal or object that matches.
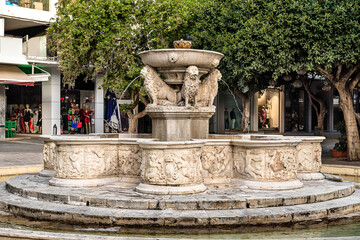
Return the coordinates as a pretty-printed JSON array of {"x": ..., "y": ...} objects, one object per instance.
[
  {"x": 157, "y": 144},
  {"x": 180, "y": 50}
]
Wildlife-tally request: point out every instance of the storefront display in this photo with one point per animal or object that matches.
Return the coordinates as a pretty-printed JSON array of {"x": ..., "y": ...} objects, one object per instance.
[
  {"x": 24, "y": 107},
  {"x": 294, "y": 110},
  {"x": 268, "y": 109},
  {"x": 77, "y": 111}
]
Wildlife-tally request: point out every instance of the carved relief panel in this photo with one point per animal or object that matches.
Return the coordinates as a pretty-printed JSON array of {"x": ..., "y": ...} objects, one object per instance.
[
  {"x": 101, "y": 161},
  {"x": 49, "y": 155},
  {"x": 70, "y": 162},
  {"x": 86, "y": 162},
  {"x": 265, "y": 164},
  {"x": 281, "y": 164},
  {"x": 215, "y": 161},
  {"x": 171, "y": 166},
  {"x": 309, "y": 157},
  {"x": 129, "y": 160}
]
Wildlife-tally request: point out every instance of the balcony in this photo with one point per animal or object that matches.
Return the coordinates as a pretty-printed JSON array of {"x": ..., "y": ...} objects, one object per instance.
[
  {"x": 27, "y": 12},
  {"x": 11, "y": 51},
  {"x": 34, "y": 4},
  {"x": 35, "y": 49}
]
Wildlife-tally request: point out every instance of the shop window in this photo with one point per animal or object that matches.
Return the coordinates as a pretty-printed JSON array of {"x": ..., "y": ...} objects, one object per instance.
[
  {"x": 295, "y": 110},
  {"x": 268, "y": 110}
]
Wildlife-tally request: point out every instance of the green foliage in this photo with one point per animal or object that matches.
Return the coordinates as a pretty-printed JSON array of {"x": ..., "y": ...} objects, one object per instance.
[
  {"x": 104, "y": 36},
  {"x": 264, "y": 39},
  {"x": 342, "y": 144}
]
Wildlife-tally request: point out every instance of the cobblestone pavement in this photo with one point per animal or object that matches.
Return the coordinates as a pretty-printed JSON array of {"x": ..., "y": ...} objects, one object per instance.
[{"x": 21, "y": 151}]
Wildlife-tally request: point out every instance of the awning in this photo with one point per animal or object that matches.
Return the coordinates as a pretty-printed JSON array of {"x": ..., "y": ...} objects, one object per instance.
[{"x": 10, "y": 74}]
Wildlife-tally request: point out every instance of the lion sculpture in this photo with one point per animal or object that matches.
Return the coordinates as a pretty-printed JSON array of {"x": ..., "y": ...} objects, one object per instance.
[
  {"x": 189, "y": 90},
  {"x": 208, "y": 89},
  {"x": 158, "y": 91}
]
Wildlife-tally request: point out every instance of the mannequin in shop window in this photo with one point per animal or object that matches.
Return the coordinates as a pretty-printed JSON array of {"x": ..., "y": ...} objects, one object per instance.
[
  {"x": 267, "y": 114},
  {"x": 87, "y": 119},
  {"x": 21, "y": 117},
  {"x": 82, "y": 117},
  {"x": 263, "y": 116},
  {"x": 27, "y": 118},
  {"x": 39, "y": 121}
]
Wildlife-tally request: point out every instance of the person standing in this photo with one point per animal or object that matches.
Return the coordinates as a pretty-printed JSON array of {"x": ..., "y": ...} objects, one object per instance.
[
  {"x": 226, "y": 118},
  {"x": 233, "y": 118}
]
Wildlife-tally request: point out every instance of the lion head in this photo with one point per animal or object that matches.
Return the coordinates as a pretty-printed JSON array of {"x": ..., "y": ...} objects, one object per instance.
[{"x": 192, "y": 72}]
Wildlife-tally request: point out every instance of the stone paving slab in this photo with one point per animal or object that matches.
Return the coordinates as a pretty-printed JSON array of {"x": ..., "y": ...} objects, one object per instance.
[
  {"x": 130, "y": 217},
  {"x": 116, "y": 196}
]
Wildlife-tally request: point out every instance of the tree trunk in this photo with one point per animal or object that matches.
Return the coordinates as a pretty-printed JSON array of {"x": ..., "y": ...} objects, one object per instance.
[
  {"x": 352, "y": 132},
  {"x": 320, "y": 110},
  {"x": 320, "y": 121},
  {"x": 133, "y": 120},
  {"x": 245, "y": 104},
  {"x": 345, "y": 79}
]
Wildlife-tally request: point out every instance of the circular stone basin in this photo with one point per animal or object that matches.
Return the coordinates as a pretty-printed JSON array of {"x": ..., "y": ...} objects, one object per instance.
[{"x": 172, "y": 63}]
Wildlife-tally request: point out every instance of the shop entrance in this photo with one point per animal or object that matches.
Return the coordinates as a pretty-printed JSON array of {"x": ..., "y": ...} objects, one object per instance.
[{"x": 268, "y": 110}]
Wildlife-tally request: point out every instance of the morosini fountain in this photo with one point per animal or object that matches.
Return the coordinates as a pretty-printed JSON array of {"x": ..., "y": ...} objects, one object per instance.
[{"x": 180, "y": 175}]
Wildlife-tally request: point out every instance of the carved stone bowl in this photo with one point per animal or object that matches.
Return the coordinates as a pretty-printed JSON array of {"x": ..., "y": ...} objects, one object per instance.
[
  {"x": 182, "y": 44},
  {"x": 172, "y": 63}
]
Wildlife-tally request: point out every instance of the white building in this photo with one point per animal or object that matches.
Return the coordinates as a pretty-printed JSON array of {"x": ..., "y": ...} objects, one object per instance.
[{"x": 24, "y": 60}]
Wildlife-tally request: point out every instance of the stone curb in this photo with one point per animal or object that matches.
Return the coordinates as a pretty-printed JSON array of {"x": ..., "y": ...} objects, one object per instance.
[
  {"x": 35, "y": 187},
  {"x": 18, "y": 170},
  {"x": 340, "y": 169},
  {"x": 177, "y": 218}
]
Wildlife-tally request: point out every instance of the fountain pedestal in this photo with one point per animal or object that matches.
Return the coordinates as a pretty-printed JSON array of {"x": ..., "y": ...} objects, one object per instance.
[{"x": 180, "y": 123}]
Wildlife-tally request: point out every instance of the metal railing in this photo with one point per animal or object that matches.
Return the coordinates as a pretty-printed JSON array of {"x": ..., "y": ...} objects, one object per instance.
[{"x": 33, "y": 4}]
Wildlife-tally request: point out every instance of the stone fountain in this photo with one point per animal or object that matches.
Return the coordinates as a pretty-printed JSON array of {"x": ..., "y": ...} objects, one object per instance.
[{"x": 180, "y": 175}]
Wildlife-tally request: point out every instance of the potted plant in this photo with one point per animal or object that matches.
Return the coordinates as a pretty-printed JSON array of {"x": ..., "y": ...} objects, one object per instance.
[{"x": 340, "y": 148}]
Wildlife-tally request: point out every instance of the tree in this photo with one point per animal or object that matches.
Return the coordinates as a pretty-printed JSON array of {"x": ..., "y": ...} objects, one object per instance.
[
  {"x": 218, "y": 27},
  {"x": 103, "y": 37},
  {"x": 286, "y": 36},
  {"x": 317, "y": 102}
]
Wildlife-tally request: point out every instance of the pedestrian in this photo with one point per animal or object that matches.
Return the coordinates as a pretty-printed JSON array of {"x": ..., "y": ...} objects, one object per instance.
[
  {"x": 226, "y": 118},
  {"x": 233, "y": 118}
]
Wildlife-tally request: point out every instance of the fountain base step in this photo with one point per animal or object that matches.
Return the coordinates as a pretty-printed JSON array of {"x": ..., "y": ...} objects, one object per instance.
[
  {"x": 162, "y": 190},
  {"x": 88, "y": 214}
]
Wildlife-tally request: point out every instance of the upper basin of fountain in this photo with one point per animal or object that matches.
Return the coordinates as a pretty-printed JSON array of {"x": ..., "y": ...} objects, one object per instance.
[{"x": 170, "y": 58}]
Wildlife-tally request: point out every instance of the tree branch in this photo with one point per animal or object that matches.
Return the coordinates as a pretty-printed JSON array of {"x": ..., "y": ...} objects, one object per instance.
[
  {"x": 357, "y": 116},
  {"x": 350, "y": 72},
  {"x": 338, "y": 73},
  {"x": 352, "y": 84},
  {"x": 311, "y": 96},
  {"x": 325, "y": 73}
]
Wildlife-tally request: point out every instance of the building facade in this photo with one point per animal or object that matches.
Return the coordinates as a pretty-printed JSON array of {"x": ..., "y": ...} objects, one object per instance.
[{"x": 30, "y": 82}]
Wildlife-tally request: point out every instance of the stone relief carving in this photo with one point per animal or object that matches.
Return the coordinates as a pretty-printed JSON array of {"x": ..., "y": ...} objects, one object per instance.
[
  {"x": 173, "y": 57},
  {"x": 249, "y": 163},
  {"x": 281, "y": 164},
  {"x": 189, "y": 90},
  {"x": 254, "y": 164},
  {"x": 317, "y": 157},
  {"x": 157, "y": 90},
  {"x": 305, "y": 157},
  {"x": 208, "y": 89},
  {"x": 215, "y": 161},
  {"x": 152, "y": 169},
  {"x": 49, "y": 155},
  {"x": 70, "y": 163},
  {"x": 129, "y": 160},
  {"x": 171, "y": 167},
  {"x": 239, "y": 155}
]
